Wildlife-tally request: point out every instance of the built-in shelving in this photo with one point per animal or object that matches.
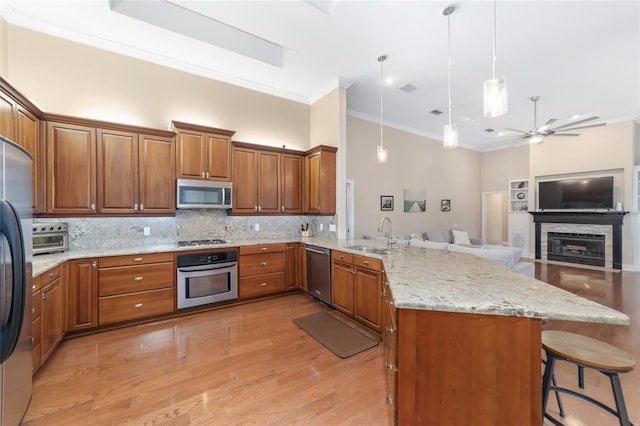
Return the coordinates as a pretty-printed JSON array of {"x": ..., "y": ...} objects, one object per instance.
[{"x": 519, "y": 195}]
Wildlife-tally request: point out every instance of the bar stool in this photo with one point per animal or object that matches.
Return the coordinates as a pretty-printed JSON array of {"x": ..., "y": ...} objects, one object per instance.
[{"x": 584, "y": 352}]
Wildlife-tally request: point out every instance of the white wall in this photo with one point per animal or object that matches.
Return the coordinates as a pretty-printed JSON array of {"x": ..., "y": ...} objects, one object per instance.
[{"x": 415, "y": 162}]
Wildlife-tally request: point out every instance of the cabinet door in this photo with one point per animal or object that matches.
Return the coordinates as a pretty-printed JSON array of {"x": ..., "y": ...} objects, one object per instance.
[
  {"x": 191, "y": 155},
  {"x": 219, "y": 150},
  {"x": 7, "y": 116},
  {"x": 367, "y": 304},
  {"x": 301, "y": 269},
  {"x": 157, "y": 181},
  {"x": 245, "y": 180},
  {"x": 268, "y": 182},
  {"x": 117, "y": 172},
  {"x": 50, "y": 318},
  {"x": 320, "y": 182},
  {"x": 83, "y": 294},
  {"x": 291, "y": 267},
  {"x": 291, "y": 184},
  {"x": 342, "y": 287},
  {"x": 312, "y": 183},
  {"x": 27, "y": 136},
  {"x": 71, "y": 169}
]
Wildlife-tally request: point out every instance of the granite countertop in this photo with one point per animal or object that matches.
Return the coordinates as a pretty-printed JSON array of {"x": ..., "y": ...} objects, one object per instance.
[{"x": 425, "y": 279}]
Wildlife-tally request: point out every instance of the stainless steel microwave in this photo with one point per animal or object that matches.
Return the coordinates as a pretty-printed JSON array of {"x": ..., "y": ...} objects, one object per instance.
[{"x": 203, "y": 194}]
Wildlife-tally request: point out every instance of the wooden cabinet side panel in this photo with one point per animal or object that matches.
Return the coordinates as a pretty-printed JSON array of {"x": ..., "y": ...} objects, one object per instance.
[
  {"x": 219, "y": 157},
  {"x": 312, "y": 183},
  {"x": 27, "y": 136},
  {"x": 457, "y": 368},
  {"x": 157, "y": 175},
  {"x": 117, "y": 171},
  {"x": 83, "y": 294},
  {"x": 327, "y": 187},
  {"x": 71, "y": 169}
]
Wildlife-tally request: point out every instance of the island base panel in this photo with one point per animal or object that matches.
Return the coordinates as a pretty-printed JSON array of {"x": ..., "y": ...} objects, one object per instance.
[{"x": 457, "y": 368}]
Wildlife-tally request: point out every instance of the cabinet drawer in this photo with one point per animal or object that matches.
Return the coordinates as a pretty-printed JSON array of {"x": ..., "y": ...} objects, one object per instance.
[
  {"x": 269, "y": 248},
  {"x": 135, "y": 305},
  {"x": 261, "y": 285},
  {"x": 36, "y": 299},
  {"x": 139, "y": 259},
  {"x": 35, "y": 332},
  {"x": 48, "y": 276},
  {"x": 367, "y": 262},
  {"x": 36, "y": 283},
  {"x": 341, "y": 256},
  {"x": 262, "y": 264},
  {"x": 128, "y": 279}
]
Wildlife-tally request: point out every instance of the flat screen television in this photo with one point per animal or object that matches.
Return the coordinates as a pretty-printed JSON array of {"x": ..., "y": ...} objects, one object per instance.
[{"x": 576, "y": 194}]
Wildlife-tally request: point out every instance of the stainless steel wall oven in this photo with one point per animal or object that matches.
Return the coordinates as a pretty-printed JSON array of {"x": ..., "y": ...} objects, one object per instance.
[{"x": 207, "y": 277}]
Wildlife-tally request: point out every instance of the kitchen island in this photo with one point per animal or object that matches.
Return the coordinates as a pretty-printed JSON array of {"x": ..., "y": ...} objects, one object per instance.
[{"x": 465, "y": 333}]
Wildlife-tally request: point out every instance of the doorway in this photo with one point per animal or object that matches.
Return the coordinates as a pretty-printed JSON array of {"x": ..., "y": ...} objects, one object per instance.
[{"x": 495, "y": 206}]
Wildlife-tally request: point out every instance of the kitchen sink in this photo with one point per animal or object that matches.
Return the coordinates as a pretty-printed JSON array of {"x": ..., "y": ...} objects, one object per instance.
[{"x": 371, "y": 249}]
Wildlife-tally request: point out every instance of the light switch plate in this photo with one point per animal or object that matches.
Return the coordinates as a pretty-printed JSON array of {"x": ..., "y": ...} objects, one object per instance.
[
  {"x": 322, "y": 226},
  {"x": 147, "y": 230},
  {"x": 256, "y": 227}
]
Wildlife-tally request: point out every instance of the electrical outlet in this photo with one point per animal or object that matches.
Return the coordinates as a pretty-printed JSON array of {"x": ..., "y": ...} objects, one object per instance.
[
  {"x": 256, "y": 227},
  {"x": 322, "y": 226},
  {"x": 332, "y": 227},
  {"x": 147, "y": 230}
]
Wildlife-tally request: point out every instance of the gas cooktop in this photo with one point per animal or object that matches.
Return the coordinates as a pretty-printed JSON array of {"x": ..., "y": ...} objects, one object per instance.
[{"x": 201, "y": 242}]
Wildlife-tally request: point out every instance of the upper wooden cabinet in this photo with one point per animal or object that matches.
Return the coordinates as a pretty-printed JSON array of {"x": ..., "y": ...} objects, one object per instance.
[
  {"x": 202, "y": 152},
  {"x": 266, "y": 180},
  {"x": 109, "y": 171},
  {"x": 7, "y": 116},
  {"x": 320, "y": 180}
]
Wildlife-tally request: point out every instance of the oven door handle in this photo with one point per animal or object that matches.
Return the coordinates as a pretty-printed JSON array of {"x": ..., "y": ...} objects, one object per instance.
[{"x": 208, "y": 267}]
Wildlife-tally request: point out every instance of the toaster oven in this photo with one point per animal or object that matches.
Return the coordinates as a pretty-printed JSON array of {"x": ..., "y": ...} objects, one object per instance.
[{"x": 50, "y": 237}]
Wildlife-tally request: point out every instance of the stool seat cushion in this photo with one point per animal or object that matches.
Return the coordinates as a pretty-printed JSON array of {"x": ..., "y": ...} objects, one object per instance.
[{"x": 587, "y": 351}]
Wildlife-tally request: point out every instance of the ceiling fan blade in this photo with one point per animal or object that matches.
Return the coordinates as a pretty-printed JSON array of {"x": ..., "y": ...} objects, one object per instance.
[
  {"x": 575, "y": 122},
  {"x": 517, "y": 131},
  {"x": 583, "y": 127},
  {"x": 563, "y": 134},
  {"x": 547, "y": 124}
]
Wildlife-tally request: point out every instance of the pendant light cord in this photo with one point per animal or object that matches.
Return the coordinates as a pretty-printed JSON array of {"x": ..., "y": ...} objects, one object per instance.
[
  {"x": 381, "y": 59},
  {"x": 494, "y": 39},
  {"x": 449, "y": 40}
]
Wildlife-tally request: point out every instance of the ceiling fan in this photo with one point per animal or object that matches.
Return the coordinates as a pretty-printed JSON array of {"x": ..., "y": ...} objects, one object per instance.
[{"x": 537, "y": 134}]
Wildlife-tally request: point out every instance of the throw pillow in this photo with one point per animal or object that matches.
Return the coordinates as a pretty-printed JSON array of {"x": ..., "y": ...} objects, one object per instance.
[
  {"x": 416, "y": 237},
  {"x": 435, "y": 236},
  {"x": 460, "y": 237}
]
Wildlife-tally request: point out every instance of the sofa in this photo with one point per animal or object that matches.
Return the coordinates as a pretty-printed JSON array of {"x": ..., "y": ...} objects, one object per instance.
[{"x": 459, "y": 241}]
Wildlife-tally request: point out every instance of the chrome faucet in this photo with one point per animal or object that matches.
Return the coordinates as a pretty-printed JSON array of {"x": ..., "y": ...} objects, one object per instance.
[{"x": 390, "y": 240}]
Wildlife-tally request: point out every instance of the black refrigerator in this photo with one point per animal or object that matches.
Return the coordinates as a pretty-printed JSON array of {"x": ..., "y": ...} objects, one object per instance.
[{"x": 15, "y": 284}]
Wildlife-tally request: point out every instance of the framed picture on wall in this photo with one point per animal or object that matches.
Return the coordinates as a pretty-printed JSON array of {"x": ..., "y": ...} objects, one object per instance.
[
  {"x": 445, "y": 205},
  {"x": 386, "y": 202}
]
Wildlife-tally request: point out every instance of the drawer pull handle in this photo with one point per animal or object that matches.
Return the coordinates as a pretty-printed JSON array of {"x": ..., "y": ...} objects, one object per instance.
[
  {"x": 390, "y": 329},
  {"x": 389, "y": 302},
  {"x": 263, "y": 248},
  {"x": 137, "y": 259},
  {"x": 264, "y": 264},
  {"x": 366, "y": 262},
  {"x": 138, "y": 305},
  {"x": 388, "y": 365},
  {"x": 53, "y": 274},
  {"x": 388, "y": 399},
  {"x": 138, "y": 278},
  {"x": 263, "y": 285},
  {"x": 33, "y": 287},
  {"x": 44, "y": 297}
]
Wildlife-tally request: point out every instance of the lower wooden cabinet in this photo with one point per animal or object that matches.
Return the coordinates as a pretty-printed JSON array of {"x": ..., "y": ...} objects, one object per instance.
[
  {"x": 356, "y": 285},
  {"x": 35, "y": 323},
  {"x": 135, "y": 287},
  {"x": 294, "y": 266},
  {"x": 262, "y": 270},
  {"x": 82, "y": 298},
  {"x": 48, "y": 315}
]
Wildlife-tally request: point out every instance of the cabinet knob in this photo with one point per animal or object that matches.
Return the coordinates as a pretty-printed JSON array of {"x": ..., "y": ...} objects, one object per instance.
[
  {"x": 389, "y": 302},
  {"x": 93, "y": 206},
  {"x": 390, "y": 329},
  {"x": 138, "y": 305},
  {"x": 263, "y": 284},
  {"x": 207, "y": 175},
  {"x": 263, "y": 264},
  {"x": 138, "y": 278},
  {"x": 366, "y": 262},
  {"x": 388, "y": 399},
  {"x": 255, "y": 208},
  {"x": 202, "y": 174},
  {"x": 141, "y": 206},
  {"x": 137, "y": 259},
  {"x": 282, "y": 208},
  {"x": 264, "y": 248},
  {"x": 259, "y": 208},
  {"x": 94, "y": 264},
  {"x": 388, "y": 365},
  {"x": 353, "y": 271},
  {"x": 135, "y": 206},
  {"x": 33, "y": 287},
  {"x": 45, "y": 297}
]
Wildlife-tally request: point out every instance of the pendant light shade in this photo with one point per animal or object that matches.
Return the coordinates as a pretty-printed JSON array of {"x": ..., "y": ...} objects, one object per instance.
[
  {"x": 449, "y": 131},
  {"x": 494, "y": 90},
  {"x": 382, "y": 150}
]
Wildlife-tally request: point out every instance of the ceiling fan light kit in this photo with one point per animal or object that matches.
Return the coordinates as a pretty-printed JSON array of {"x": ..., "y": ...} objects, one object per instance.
[
  {"x": 381, "y": 154},
  {"x": 494, "y": 99},
  {"x": 449, "y": 131}
]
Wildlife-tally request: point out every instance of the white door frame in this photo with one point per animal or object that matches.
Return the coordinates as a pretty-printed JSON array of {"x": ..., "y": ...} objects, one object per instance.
[
  {"x": 350, "y": 208},
  {"x": 484, "y": 210}
]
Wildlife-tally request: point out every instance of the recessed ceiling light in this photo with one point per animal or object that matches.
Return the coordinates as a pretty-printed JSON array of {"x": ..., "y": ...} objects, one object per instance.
[
  {"x": 407, "y": 87},
  {"x": 489, "y": 130},
  {"x": 435, "y": 112}
]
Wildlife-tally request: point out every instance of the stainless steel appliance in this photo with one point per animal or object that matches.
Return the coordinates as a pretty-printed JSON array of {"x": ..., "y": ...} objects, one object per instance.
[
  {"x": 319, "y": 273},
  {"x": 15, "y": 282},
  {"x": 203, "y": 194},
  {"x": 208, "y": 277},
  {"x": 50, "y": 237}
]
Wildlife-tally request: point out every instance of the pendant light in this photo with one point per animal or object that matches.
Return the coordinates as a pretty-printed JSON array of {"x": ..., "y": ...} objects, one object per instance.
[
  {"x": 382, "y": 149},
  {"x": 494, "y": 90},
  {"x": 450, "y": 131}
]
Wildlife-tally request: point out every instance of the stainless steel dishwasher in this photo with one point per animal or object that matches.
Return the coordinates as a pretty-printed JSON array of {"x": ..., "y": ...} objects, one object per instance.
[{"x": 319, "y": 273}]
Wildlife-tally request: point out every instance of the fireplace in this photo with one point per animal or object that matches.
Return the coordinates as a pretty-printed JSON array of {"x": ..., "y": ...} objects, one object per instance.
[{"x": 585, "y": 249}]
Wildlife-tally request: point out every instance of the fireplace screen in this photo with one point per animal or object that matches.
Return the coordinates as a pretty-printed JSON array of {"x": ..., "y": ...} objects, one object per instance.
[{"x": 586, "y": 249}]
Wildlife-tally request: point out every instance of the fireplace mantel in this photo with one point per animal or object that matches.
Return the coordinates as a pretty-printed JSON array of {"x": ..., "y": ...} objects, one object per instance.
[{"x": 613, "y": 218}]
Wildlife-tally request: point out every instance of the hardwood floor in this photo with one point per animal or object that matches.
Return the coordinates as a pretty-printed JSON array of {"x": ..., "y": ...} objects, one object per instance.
[{"x": 250, "y": 364}]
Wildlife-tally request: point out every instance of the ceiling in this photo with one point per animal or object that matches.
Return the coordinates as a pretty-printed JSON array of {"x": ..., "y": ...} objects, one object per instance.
[{"x": 580, "y": 57}]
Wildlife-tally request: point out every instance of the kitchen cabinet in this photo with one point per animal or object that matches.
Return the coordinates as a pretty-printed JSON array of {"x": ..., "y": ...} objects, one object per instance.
[
  {"x": 356, "y": 285},
  {"x": 261, "y": 270},
  {"x": 320, "y": 180},
  {"x": 7, "y": 116},
  {"x": 389, "y": 350},
  {"x": 302, "y": 265},
  {"x": 203, "y": 152},
  {"x": 98, "y": 170},
  {"x": 48, "y": 320},
  {"x": 35, "y": 323},
  {"x": 293, "y": 273},
  {"x": 291, "y": 184},
  {"x": 135, "y": 287},
  {"x": 82, "y": 307}
]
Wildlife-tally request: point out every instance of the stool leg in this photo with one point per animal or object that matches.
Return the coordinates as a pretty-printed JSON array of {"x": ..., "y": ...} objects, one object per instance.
[
  {"x": 546, "y": 380},
  {"x": 553, "y": 381},
  {"x": 617, "y": 394}
]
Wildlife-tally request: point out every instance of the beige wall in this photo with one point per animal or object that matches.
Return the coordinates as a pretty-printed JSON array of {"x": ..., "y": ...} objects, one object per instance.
[
  {"x": 4, "y": 47},
  {"x": 68, "y": 78},
  {"x": 415, "y": 162},
  {"x": 498, "y": 167}
]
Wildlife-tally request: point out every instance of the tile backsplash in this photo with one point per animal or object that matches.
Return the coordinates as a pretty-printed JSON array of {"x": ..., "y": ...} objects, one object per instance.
[{"x": 115, "y": 232}]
